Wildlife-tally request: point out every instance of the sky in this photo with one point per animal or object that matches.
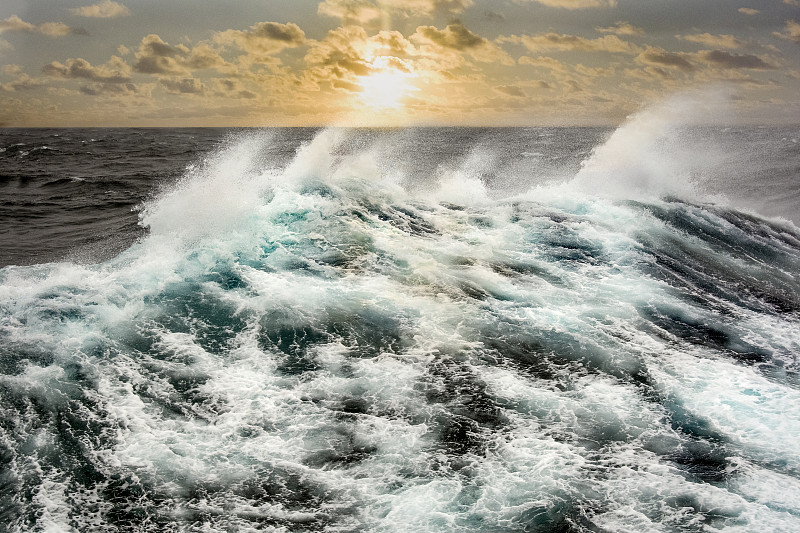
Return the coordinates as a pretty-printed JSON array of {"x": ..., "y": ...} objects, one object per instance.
[{"x": 70, "y": 63}]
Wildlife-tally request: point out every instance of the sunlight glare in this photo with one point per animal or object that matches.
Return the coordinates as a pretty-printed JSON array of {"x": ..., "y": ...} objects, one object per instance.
[{"x": 387, "y": 84}]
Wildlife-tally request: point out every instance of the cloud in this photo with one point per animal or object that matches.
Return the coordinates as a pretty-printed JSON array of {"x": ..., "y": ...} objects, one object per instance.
[
  {"x": 22, "y": 81},
  {"x": 153, "y": 45},
  {"x": 426, "y": 7},
  {"x": 724, "y": 59},
  {"x": 622, "y": 28},
  {"x": 457, "y": 37},
  {"x": 539, "y": 84},
  {"x": 51, "y": 29},
  {"x": 116, "y": 71},
  {"x": 660, "y": 57},
  {"x": 232, "y": 88},
  {"x": 577, "y": 4},
  {"x": 430, "y": 56},
  {"x": 739, "y": 78},
  {"x": 364, "y": 11},
  {"x": 347, "y": 86},
  {"x": 347, "y": 54},
  {"x": 593, "y": 72},
  {"x": 342, "y": 54},
  {"x": 109, "y": 89},
  {"x": 717, "y": 41},
  {"x": 360, "y": 11},
  {"x": 391, "y": 43},
  {"x": 494, "y": 16},
  {"x": 749, "y": 11},
  {"x": 104, "y": 10},
  {"x": 791, "y": 33},
  {"x": 264, "y": 38},
  {"x": 155, "y": 56},
  {"x": 183, "y": 86},
  {"x": 544, "y": 62},
  {"x": 12, "y": 70},
  {"x": 511, "y": 90},
  {"x": 650, "y": 72},
  {"x": 564, "y": 42},
  {"x": 203, "y": 57}
]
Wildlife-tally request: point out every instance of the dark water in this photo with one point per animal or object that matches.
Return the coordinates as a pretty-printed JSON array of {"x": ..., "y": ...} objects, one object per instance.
[
  {"x": 74, "y": 191},
  {"x": 73, "y": 194},
  {"x": 543, "y": 329}
]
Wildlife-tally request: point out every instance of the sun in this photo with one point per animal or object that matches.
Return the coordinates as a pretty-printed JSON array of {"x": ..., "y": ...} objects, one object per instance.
[{"x": 388, "y": 82}]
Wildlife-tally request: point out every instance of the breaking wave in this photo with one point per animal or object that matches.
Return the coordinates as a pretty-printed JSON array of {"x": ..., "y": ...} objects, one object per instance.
[{"x": 336, "y": 345}]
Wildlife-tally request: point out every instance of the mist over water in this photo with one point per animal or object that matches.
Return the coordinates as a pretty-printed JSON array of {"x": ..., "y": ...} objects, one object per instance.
[
  {"x": 669, "y": 150},
  {"x": 544, "y": 329}
]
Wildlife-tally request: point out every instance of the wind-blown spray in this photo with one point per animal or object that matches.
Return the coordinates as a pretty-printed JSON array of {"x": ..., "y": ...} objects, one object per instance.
[{"x": 372, "y": 336}]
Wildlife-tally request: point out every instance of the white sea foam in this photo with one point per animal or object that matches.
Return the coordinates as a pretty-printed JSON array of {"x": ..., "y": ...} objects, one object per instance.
[
  {"x": 299, "y": 345},
  {"x": 650, "y": 154}
]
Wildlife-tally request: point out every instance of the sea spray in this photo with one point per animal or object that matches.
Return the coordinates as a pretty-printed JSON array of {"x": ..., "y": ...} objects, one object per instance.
[
  {"x": 657, "y": 151},
  {"x": 309, "y": 345},
  {"x": 212, "y": 196}
]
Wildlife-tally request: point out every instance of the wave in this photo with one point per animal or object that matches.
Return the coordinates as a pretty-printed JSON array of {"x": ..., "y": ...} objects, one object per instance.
[{"x": 335, "y": 344}]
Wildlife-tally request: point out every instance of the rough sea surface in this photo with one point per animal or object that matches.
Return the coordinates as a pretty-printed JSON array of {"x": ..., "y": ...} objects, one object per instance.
[{"x": 533, "y": 329}]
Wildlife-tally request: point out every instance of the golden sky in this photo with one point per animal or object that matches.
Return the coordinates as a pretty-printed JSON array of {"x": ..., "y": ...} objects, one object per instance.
[{"x": 390, "y": 62}]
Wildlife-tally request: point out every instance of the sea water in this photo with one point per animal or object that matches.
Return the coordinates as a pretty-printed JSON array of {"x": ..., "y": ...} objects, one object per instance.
[{"x": 430, "y": 329}]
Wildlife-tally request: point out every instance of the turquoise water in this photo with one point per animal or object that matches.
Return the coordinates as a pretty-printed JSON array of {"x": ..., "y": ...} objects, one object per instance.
[{"x": 340, "y": 334}]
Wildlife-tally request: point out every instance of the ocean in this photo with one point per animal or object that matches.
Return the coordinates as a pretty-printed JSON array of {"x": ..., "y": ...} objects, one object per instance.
[{"x": 400, "y": 330}]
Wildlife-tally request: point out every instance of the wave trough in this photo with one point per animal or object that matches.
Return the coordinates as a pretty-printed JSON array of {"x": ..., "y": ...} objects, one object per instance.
[{"x": 332, "y": 344}]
